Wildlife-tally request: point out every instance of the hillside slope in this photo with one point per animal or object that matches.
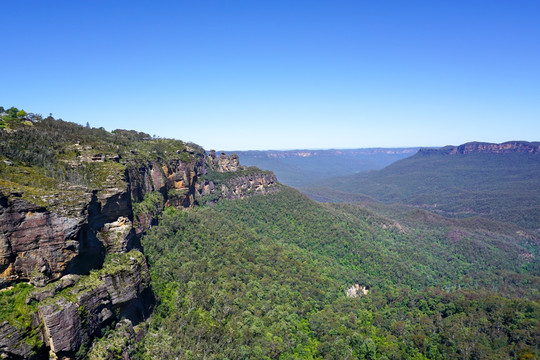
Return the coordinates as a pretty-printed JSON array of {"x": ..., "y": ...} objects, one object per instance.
[
  {"x": 281, "y": 276},
  {"x": 497, "y": 181}
]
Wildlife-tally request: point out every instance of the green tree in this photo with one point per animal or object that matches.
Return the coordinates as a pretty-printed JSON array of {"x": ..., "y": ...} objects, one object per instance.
[{"x": 12, "y": 111}]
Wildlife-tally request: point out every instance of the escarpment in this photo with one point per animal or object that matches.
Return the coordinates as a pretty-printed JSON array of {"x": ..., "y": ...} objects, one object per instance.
[
  {"x": 69, "y": 255},
  {"x": 487, "y": 148},
  {"x": 40, "y": 243}
]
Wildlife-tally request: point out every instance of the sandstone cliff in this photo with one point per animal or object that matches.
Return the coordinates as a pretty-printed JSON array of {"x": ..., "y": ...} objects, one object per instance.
[
  {"x": 487, "y": 148},
  {"x": 77, "y": 244},
  {"x": 41, "y": 243}
]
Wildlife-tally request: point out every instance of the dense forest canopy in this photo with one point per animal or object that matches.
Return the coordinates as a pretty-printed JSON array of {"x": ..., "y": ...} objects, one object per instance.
[{"x": 266, "y": 277}]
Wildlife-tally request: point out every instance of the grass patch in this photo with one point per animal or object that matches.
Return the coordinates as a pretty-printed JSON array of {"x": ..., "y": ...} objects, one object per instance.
[{"x": 13, "y": 307}]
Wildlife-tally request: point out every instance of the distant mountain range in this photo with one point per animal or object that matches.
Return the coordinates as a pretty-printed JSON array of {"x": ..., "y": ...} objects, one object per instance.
[
  {"x": 304, "y": 167},
  {"x": 475, "y": 147},
  {"x": 497, "y": 181}
]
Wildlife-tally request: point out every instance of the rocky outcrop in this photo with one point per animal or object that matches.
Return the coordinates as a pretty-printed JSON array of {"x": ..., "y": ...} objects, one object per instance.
[
  {"x": 238, "y": 185},
  {"x": 227, "y": 179},
  {"x": 246, "y": 185},
  {"x": 77, "y": 247},
  {"x": 487, "y": 148},
  {"x": 184, "y": 184},
  {"x": 13, "y": 344},
  {"x": 228, "y": 163},
  {"x": 356, "y": 290},
  {"x": 52, "y": 289},
  {"x": 117, "y": 236},
  {"x": 70, "y": 319},
  {"x": 127, "y": 280},
  {"x": 224, "y": 163},
  {"x": 35, "y": 244}
]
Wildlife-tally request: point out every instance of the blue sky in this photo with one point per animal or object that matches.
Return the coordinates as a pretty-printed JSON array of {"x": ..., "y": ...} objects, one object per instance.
[{"x": 240, "y": 75}]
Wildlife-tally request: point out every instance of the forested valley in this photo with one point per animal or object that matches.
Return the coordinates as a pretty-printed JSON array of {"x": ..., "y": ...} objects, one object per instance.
[{"x": 266, "y": 277}]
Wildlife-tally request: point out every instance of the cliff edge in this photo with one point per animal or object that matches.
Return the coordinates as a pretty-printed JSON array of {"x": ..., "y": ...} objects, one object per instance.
[
  {"x": 486, "y": 148},
  {"x": 73, "y": 204}
]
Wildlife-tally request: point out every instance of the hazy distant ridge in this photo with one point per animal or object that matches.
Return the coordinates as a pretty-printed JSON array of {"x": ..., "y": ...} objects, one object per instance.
[
  {"x": 304, "y": 166},
  {"x": 487, "y": 148},
  {"x": 497, "y": 181},
  {"x": 330, "y": 152}
]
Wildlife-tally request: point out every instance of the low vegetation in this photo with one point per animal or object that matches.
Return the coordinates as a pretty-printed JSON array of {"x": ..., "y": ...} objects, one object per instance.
[{"x": 17, "y": 313}]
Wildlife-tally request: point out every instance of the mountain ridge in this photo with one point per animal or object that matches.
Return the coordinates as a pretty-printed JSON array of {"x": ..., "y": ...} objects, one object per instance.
[
  {"x": 498, "y": 181},
  {"x": 325, "y": 152},
  {"x": 299, "y": 168},
  {"x": 477, "y": 147}
]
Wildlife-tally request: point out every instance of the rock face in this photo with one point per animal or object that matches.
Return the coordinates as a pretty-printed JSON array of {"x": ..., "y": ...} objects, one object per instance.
[
  {"x": 175, "y": 180},
  {"x": 79, "y": 248},
  {"x": 73, "y": 318},
  {"x": 62, "y": 326},
  {"x": 245, "y": 185},
  {"x": 224, "y": 163},
  {"x": 40, "y": 244},
  {"x": 12, "y": 344},
  {"x": 487, "y": 148},
  {"x": 35, "y": 244}
]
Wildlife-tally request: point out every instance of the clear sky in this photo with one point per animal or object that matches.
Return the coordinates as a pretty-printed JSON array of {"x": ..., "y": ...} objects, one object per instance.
[{"x": 278, "y": 74}]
